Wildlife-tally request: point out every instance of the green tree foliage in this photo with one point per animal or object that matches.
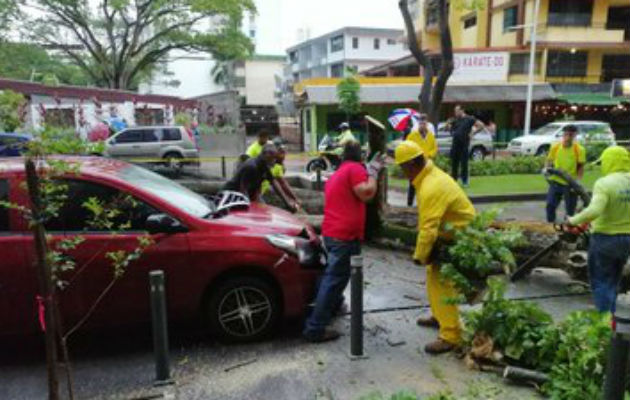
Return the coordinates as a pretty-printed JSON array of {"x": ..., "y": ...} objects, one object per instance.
[
  {"x": 10, "y": 103},
  {"x": 348, "y": 90},
  {"x": 121, "y": 41},
  {"x": 476, "y": 252},
  {"x": 573, "y": 352},
  {"x": 31, "y": 62}
]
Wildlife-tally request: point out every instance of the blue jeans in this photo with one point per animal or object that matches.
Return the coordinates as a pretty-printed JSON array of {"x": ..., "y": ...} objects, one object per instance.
[
  {"x": 554, "y": 196},
  {"x": 460, "y": 154},
  {"x": 333, "y": 283},
  {"x": 607, "y": 255}
]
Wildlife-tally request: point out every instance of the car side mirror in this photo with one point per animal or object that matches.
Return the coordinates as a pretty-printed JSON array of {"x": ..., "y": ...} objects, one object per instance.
[
  {"x": 112, "y": 141},
  {"x": 163, "y": 223}
]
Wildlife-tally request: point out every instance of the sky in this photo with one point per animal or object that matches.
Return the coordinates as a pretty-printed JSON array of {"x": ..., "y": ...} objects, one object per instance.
[{"x": 278, "y": 21}]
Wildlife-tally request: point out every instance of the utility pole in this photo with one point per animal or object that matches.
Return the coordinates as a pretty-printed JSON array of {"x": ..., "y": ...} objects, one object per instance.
[{"x": 532, "y": 65}]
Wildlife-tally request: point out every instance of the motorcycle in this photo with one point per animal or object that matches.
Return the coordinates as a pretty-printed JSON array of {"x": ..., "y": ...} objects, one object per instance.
[{"x": 328, "y": 157}]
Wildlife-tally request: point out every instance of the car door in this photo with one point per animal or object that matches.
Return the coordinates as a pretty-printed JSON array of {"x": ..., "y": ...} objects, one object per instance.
[
  {"x": 90, "y": 288},
  {"x": 18, "y": 280},
  {"x": 152, "y": 142},
  {"x": 126, "y": 144}
]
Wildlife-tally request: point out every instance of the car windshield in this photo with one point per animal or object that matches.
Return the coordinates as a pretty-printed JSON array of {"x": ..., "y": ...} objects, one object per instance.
[
  {"x": 167, "y": 190},
  {"x": 546, "y": 130}
]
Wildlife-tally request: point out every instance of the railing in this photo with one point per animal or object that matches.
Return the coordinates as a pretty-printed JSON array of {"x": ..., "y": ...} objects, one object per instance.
[{"x": 569, "y": 19}]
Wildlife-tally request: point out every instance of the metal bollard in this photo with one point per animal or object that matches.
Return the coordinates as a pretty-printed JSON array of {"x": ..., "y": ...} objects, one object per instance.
[
  {"x": 356, "y": 305},
  {"x": 223, "y": 170},
  {"x": 618, "y": 354},
  {"x": 160, "y": 330}
]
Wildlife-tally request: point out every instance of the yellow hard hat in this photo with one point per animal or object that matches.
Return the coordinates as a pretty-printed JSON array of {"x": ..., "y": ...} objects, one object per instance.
[{"x": 407, "y": 151}]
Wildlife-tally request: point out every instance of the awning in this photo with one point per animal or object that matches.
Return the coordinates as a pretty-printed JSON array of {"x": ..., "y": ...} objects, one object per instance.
[
  {"x": 592, "y": 99},
  {"x": 401, "y": 94}
]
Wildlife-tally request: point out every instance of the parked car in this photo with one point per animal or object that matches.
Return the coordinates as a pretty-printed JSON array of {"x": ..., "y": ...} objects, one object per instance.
[
  {"x": 172, "y": 144},
  {"x": 241, "y": 267},
  {"x": 540, "y": 141},
  {"x": 481, "y": 145},
  {"x": 13, "y": 144}
]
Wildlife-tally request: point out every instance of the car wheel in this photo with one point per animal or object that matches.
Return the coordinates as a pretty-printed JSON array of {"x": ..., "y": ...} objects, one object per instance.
[
  {"x": 173, "y": 160},
  {"x": 542, "y": 150},
  {"x": 243, "y": 309},
  {"x": 477, "y": 154},
  {"x": 316, "y": 163}
]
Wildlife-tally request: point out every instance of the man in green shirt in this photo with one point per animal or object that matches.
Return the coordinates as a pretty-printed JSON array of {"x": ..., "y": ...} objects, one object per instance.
[
  {"x": 569, "y": 156},
  {"x": 609, "y": 210},
  {"x": 255, "y": 148}
]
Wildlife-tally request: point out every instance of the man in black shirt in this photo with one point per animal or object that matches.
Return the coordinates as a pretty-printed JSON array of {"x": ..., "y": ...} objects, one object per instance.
[
  {"x": 461, "y": 130},
  {"x": 251, "y": 174}
]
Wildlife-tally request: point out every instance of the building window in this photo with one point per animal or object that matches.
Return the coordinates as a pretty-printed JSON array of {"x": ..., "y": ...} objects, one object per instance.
[
  {"x": 432, "y": 13},
  {"x": 336, "y": 70},
  {"x": 293, "y": 57},
  {"x": 510, "y": 18},
  {"x": 252, "y": 33},
  {"x": 377, "y": 44},
  {"x": 59, "y": 117},
  {"x": 615, "y": 66},
  {"x": 239, "y": 82},
  {"x": 391, "y": 42},
  {"x": 570, "y": 13},
  {"x": 470, "y": 22},
  {"x": 355, "y": 42},
  {"x": 565, "y": 63},
  {"x": 619, "y": 18},
  {"x": 519, "y": 63},
  {"x": 336, "y": 44}
]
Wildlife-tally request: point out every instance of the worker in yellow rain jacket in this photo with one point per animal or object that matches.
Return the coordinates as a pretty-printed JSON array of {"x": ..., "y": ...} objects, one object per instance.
[
  {"x": 424, "y": 137},
  {"x": 440, "y": 201}
]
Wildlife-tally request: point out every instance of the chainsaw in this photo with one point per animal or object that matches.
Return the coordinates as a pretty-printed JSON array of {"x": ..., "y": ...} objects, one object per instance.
[{"x": 565, "y": 233}]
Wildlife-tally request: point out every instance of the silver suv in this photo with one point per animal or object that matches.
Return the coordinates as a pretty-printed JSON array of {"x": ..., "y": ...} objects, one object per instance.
[
  {"x": 171, "y": 144},
  {"x": 481, "y": 144}
]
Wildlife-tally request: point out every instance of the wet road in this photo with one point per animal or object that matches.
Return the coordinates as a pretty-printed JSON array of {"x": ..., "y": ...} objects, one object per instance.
[{"x": 121, "y": 366}]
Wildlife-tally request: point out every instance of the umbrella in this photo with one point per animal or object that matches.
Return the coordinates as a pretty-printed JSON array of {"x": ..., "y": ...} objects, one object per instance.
[
  {"x": 117, "y": 124},
  {"x": 400, "y": 118}
]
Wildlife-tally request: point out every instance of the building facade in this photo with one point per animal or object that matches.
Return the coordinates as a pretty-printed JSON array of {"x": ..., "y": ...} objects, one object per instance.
[
  {"x": 578, "y": 42},
  {"x": 82, "y": 108},
  {"x": 330, "y": 54}
]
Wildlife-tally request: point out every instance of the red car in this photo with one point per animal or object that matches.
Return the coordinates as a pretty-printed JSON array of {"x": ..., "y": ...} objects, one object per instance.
[{"x": 240, "y": 267}]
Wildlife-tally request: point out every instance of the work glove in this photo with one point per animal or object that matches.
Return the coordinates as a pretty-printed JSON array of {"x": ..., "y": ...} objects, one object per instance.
[{"x": 376, "y": 165}]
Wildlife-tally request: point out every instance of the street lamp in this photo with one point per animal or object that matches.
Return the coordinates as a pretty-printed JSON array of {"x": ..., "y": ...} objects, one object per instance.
[{"x": 532, "y": 57}]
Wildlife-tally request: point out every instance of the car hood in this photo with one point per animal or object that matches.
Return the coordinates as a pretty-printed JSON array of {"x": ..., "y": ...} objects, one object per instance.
[{"x": 265, "y": 219}]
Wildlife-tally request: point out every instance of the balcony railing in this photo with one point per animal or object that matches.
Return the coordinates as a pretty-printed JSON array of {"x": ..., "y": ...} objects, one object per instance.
[{"x": 569, "y": 19}]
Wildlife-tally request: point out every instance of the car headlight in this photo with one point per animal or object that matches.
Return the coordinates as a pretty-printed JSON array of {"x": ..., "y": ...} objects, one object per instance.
[
  {"x": 309, "y": 253},
  {"x": 284, "y": 242}
]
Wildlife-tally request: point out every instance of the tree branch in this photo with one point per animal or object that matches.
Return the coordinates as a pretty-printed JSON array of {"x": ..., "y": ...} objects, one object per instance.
[
  {"x": 420, "y": 56},
  {"x": 446, "y": 69}
]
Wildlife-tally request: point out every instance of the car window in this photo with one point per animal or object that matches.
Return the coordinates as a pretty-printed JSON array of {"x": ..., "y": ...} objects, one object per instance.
[
  {"x": 4, "y": 212},
  {"x": 151, "y": 135},
  {"x": 130, "y": 214},
  {"x": 130, "y": 136},
  {"x": 172, "y": 134}
]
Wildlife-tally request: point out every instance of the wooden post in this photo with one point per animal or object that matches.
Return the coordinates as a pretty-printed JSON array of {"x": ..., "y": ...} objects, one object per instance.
[
  {"x": 374, "y": 209},
  {"x": 46, "y": 288}
]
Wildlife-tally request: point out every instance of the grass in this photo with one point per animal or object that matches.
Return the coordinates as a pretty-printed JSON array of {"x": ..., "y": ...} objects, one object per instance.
[{"x": 507, "y": 184}]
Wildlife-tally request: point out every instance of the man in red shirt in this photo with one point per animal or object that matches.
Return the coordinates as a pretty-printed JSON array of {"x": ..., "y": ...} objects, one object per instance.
[{"x": 346, "y": 193}]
